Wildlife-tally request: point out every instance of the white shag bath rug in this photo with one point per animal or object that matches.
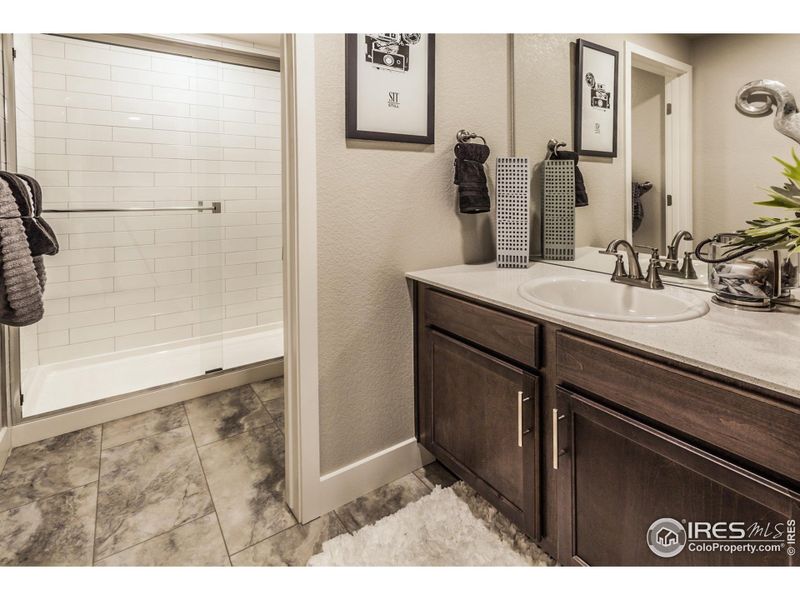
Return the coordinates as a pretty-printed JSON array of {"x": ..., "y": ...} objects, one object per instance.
[{"x": 448, "y": 527}]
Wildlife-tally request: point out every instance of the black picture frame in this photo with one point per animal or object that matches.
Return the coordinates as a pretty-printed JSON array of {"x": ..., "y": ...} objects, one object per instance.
[
  {"x": 352, "y": 54},
  {"x": 580, "y": 89}
]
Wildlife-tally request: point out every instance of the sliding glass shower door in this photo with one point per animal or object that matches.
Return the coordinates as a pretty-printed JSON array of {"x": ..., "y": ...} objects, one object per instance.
[{"x": 159, "y": 177}]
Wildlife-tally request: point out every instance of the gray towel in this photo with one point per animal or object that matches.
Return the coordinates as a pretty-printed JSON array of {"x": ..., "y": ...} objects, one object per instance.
[{"x": 21, "y": 276}]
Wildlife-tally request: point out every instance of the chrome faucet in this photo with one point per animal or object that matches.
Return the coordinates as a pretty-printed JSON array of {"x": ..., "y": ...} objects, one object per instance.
[
  {"x": 672, "y": 249},
  {"x": 633, "y": 259},
  {"x": 686, "y": 270},
  {"x": 651, "y": 280}
]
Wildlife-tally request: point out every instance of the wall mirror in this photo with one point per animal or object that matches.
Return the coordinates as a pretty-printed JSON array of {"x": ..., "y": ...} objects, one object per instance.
[{"x": 697, "y": 162}]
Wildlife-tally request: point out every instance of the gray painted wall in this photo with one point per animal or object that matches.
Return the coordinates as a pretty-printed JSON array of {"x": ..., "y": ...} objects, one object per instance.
[
  {"x": 385, "y": 209},
  {"x": 733, "y": 153}
]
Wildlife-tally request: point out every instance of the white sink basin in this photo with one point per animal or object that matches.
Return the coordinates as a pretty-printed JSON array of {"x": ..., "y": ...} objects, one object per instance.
[{"x": 611, "y": 301}]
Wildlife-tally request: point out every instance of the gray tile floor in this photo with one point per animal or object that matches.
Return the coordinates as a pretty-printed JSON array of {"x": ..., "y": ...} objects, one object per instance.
[{"x": 195, "y": 483}]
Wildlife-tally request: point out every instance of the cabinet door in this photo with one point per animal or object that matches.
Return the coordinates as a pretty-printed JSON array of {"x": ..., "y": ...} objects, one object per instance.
[
  {"x": 484, "y": 424},
  {"x": 618, "y": 476}
]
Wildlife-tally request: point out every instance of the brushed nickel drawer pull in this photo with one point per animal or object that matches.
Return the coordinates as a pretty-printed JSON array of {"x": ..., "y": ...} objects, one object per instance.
[
  {"x": 555, "y": 439},
  {"x": 556, "y": 451},
  {"x": 520, "y": 432}
]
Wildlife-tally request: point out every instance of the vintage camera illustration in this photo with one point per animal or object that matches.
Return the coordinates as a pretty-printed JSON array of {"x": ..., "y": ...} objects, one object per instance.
[
  {"x": 600, "y": 97},
  {"x": 390, "y": 50}
]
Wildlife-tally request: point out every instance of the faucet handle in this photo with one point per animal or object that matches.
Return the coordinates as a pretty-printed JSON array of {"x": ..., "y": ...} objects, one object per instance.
[
  {"x": 653, "y": 279},
  {"x": 619, "y": 267},
  {"x": 653, "y": 251},
  {"x": 687, "y": 268}
]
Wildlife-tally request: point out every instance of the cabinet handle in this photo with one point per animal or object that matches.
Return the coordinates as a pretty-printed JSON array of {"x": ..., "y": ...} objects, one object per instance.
[
  {"x": 520, "y": 432},
  {"x": 556, "y": 451},
  {"x": 555, "y": 439}
]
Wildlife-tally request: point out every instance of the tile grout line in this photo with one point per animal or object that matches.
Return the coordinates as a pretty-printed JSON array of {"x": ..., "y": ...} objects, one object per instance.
[
  {"x": 84, "y": 484},
  {"x": 235, "y": 435},
  {"x": 126, "y": 548},
  {"x": 296, "y": 524},
  {"x": 144, "y": 437},
  {"x": 97, "y": 501},
  {"x": 277, "y": 430},
  {"x": 262, "y": 401},
  {"x": 264, "y": 404},
  {"x": 97, "y": 498},
  {"x": 274, "y": 418},
  {"x": 188, "y": 426},
  {"x": 64, "y": 491},
  {"x": 341, "y": 522},
  {"x": 208, "y": 487}
]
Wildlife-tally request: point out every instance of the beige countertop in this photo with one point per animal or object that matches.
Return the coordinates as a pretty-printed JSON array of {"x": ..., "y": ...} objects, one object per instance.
[{"x": 758, "y": 348}]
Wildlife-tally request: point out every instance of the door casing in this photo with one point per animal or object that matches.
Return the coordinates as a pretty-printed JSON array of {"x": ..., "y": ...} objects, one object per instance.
[{"x": 677, "y": 136}]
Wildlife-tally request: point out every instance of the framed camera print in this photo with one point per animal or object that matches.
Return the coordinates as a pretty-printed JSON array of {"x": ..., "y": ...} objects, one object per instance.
[
  {"x": 596, "y": 93},
  {"x": 389, "y": 81}
]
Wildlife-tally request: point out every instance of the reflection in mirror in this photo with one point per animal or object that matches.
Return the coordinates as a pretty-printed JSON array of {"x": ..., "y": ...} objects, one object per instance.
[
  {"x": 700, "y": 164},
  {"x": 647, "y": 159}
]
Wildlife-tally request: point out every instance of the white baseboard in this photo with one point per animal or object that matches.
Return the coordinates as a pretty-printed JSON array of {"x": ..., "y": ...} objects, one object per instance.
[
  {"x": 358, "y": 478},
  {"x": 5, "y": 446},
  {"x": 104, "y": 411}
]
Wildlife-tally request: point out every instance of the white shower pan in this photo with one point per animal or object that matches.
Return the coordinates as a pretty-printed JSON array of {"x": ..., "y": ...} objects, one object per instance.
[{"x": 71, "y": 383}]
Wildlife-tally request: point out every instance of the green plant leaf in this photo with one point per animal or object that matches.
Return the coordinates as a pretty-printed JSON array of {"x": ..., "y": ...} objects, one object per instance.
[
  {"x": 788, "y": 189},
  {"x": 780, "y": 202},
  {"x": 792, "y": 172},
  {"x": 765, "y": 231}
]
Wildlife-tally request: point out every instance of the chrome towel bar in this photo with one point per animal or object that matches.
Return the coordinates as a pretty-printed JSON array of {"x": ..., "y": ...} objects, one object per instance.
[{"x": 216, "y": 207}]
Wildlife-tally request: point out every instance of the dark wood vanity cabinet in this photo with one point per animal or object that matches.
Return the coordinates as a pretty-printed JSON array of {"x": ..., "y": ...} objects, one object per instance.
[
  {"x": 584, "y": 444},
  {"x": 618, "y": 476},
  {"x": 479, "y": 414}
]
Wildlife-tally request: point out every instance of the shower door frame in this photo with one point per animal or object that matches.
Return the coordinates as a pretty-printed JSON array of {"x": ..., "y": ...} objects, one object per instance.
[
  {"x": 9, "y": 336},
  {"x": 35, "y": 427}
]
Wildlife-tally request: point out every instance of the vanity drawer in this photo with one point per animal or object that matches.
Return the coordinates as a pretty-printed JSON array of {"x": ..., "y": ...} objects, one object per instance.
[
  {"x": 745, "y": 424},
  {"x": 504, "y": 334}
]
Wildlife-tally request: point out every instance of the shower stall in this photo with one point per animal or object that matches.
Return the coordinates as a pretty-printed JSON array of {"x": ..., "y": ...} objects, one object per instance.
[{"x": 160, "y": 167}]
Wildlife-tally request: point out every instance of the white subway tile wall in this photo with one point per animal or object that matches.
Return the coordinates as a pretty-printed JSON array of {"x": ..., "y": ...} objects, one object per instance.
[{"x": 122, "y": 127}]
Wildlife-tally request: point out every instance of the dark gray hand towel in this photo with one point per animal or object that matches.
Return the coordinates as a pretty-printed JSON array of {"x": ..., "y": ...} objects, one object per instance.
[
  {"x": 581, "y": 197},
  {"x": 27, "y": 194},
  {"x": 638, "y": 190},
  {"x": 35, "y": 191},
  {"x": 21, "y": 279},
  {"x": 470, "y": 177}
]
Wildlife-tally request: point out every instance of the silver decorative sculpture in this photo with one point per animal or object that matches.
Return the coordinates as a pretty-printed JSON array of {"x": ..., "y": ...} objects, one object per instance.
[{"x": 768, "y": 93}]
